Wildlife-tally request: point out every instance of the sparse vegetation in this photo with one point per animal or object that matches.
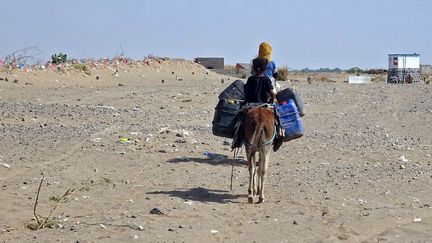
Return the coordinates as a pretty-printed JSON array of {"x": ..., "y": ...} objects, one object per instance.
[
  {"x": 379, "y": 78},
  {"x": 355, "y": 70},
  {"x": 58, "y": 199},
  {"x": 59, "y": 58},
  {"x": 426, "y": 78},
  {"x": 282, "y": 74},
  {"x": 240, "y": 73},
  {"x": 26, "y": 56},
  {"x": 376, "y": 71},
  {"x": 42, "y": 222},
  {"x": 82, "y": 67},
  {"x": 320, "y": 70}
]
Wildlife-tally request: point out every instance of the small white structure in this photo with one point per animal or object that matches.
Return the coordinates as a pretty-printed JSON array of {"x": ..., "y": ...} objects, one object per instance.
[
  {"x": 359, "y": 79},
  {"x": 404, "y": 68}
]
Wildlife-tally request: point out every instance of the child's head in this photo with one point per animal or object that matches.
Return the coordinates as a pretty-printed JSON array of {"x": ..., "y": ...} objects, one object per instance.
[
  {"x": 265, "y": 51},
  {"x": 259, "y": 65}
]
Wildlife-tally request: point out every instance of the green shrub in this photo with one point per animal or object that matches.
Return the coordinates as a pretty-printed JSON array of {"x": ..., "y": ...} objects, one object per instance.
[
  {"x": 58, "y": 58},
  {"x": 355, "y": 70},
  {"x": 82, "y": 67}
]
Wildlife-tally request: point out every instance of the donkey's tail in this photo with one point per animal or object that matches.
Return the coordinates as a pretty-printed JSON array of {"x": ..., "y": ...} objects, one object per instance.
[{"x": 255, "y": 141}]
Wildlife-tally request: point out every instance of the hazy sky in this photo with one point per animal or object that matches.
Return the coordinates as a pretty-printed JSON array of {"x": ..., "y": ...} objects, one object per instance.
[{"x": 303, "y": 33}]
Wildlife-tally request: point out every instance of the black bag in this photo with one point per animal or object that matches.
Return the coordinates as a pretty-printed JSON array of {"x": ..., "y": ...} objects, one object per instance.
[
  {"x": 224, "y": 119},
  {"x": 288, "y": 93},
  {"x": 234, "y": 91}
]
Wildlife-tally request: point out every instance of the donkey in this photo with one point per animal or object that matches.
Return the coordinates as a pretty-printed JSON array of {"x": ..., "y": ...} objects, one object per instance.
[{"x": 260, "y": 132}]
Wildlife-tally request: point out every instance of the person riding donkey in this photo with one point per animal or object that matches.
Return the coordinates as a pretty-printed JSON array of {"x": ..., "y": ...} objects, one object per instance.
[
  {"x": 258, "y": 91},
  {"x": 265, "y": 51}
]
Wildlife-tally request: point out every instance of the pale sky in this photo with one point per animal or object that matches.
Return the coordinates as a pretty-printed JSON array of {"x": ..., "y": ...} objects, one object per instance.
[{"x": 303, "y": 33}]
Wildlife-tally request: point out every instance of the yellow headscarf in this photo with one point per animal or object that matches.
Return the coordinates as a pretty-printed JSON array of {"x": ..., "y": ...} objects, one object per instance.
[{"x": 265, "y": 51}]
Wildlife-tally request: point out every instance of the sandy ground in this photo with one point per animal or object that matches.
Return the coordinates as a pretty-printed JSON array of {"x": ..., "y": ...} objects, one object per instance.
[{"x": 361, "y": 173}]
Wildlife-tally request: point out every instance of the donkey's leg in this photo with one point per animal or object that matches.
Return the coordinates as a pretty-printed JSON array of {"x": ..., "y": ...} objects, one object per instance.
[
  {"x": 259, "y": 171},
  {"x": 255, "y": 183},
  {"x": 263, "y": 166},
  {"x": 251, "y": 166}
]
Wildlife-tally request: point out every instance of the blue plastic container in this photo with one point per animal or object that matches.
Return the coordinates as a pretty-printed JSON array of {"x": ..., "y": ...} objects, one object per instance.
[{"x": 290, "y": 120}]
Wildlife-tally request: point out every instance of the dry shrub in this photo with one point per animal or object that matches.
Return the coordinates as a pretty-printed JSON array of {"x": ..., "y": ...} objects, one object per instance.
[
  {"x": 319, "y": 78},
  {"x": 379, "y": 78},
  {"x": 241, "y": 73},
  {"x": 82, "y": 67},
  {"x": 322, "y": 78},
  {"x": 41, "y": 222},
  {"x": 282, "y": 74},
  {"x": 426, "y": 78}
]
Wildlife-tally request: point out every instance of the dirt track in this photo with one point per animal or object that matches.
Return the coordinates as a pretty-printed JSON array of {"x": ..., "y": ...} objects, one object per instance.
[{"x": 344, "y": 180}]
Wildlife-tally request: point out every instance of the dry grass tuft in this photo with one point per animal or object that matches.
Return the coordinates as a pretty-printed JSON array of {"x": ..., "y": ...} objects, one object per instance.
[
  {"x": 282, "y": 74},
  {"x": 47, "y": 222},
  {"x": 82, "y": 67}
]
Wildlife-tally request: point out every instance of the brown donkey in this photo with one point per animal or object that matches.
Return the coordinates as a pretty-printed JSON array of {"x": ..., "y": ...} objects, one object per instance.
[{"x": 260, "y": 132}]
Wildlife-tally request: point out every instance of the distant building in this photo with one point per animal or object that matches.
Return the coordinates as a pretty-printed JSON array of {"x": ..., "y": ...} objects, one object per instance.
[
  {"x": 211, "y": 62},
  {"x": 404, "y": 68}
]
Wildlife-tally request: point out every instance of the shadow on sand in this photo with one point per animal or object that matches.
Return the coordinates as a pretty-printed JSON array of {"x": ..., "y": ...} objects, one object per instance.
[
  {"x": 201, "y": 194},
  {"x": 212, "y": 159}
]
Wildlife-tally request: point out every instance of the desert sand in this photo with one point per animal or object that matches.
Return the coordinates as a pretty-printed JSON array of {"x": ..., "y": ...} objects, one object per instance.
[{"x": 131, "y": 143}]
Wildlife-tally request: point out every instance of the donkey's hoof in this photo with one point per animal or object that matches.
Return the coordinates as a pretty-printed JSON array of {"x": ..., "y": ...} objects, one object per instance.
[
  {"x": 250, "y": 199},
  {"x": 261, "y": 200}
]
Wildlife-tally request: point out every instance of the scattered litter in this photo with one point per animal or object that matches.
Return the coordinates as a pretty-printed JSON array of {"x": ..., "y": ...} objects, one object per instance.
[
  {"x": 102, "y": 226},
  {"x": 5, "y": 165},
  {"x": 95, "y": 140},
  {"x": 157, "y": 211},
  {"x": 416, "y": 220},
  {"x": 86, "y": 197},
  {"x": 402, "y": 166},
  {"x": 124, "y": 140},
  {"x": 106, "y": 107},
  {"x": 214, "y": 231},
  {"x": 403, "y": 159},
  {"x": 164, "y": 130},
  {"x": 137, "y": 227},
  {"x": 188, "y": 202},
  {"x": 361, "y": 201},
  {"x": 135, "y": 133},
  {"x": 148, "y": 137},
  {"x": 182, "y": 133}
]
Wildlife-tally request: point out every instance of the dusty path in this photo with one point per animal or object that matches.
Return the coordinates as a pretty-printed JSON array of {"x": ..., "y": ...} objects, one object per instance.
[{"x": 343, "y": 181}]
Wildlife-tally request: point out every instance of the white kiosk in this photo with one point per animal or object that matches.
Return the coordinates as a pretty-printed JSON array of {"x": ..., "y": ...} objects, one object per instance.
[{"x": 404, "y": 68}]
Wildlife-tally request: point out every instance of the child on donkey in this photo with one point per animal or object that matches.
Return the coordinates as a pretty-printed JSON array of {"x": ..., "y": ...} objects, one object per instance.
[{"x": 258, "y": 90}]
